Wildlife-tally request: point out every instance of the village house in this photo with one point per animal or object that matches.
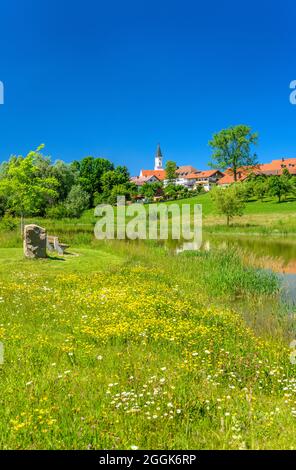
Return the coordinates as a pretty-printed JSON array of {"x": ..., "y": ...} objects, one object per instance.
[
  {"x": 187, "y": 175},
  {"x": 191, "y": 178},
  {"x": 275, "y": 168},
  {"x": 140, "y": 180},
  {"x": 186, "y": 170},
  {"x": 207, "y": 179},
  {"x": 188, "y": 181},
  {"x": 228, "y": 177}
]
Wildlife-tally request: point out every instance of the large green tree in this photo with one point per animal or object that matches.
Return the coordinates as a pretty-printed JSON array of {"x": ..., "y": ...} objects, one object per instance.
[
  {"x": 67, "y": 176},
  {"x": 171, "y": 171},
  {"x": 91, "y": 171},
  {"x": 232, "y": 148},
  {"x": 113, "y": 178},
  {"x": 27, "y": 190}
]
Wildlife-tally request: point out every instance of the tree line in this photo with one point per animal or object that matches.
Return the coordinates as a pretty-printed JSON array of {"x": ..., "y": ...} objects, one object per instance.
[{"x": 32, "y": 185}]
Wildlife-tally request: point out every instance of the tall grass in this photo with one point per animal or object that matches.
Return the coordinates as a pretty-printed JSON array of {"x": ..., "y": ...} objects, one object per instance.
[{"x": 224, "y": 275}]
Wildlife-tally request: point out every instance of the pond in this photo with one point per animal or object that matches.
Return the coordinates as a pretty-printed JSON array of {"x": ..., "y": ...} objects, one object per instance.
[{"x": 275, "y": 254}]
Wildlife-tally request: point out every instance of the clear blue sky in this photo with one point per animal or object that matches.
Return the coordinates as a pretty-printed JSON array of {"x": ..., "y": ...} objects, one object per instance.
[{"x": 114, "y": 78}]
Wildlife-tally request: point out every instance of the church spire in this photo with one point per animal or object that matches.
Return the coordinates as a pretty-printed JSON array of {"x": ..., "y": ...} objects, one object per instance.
[
  {"x": 158, "y": 151},
  {"x": 158, "y": 159}
]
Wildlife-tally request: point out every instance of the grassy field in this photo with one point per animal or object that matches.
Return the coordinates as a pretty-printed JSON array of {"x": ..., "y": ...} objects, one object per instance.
[
  {"x": 124, "y": 344},
  {"x": 266, "y": 216}
]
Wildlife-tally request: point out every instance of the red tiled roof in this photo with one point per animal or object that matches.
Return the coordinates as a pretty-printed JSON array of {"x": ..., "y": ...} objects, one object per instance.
[
  {"x": 186, "y": 169},
  {"x": 160, "y": 174},
  {"x": 276, "y": 167},
  {"x": 202, "y": 174},
  {"x": 292, "y": 171},
  {"x": 228, "y": 179},
  {"x": 140, "y": 180},
  {"x": 191, "y": 176},
  {"x": 208, "y": 173},
  {"x": 284, "y": 161},
  {"x": 243, "y": 169}
]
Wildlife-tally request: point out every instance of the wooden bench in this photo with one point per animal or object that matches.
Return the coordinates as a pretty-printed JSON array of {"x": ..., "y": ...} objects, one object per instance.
[{"x": 53, "y": 244}]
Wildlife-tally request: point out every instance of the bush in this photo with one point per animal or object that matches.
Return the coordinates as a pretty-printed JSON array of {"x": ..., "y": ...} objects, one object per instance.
[
  {"x": 170, "y": 191},
  {"x": 57, "y": 212},
  {"x": 199, "y": 189},
  {"x": 77, "y": 201},
  {"x": 9, "y": 223},
  {"x": 120, "y": 190},
  {"x": 100, "y": 198}
]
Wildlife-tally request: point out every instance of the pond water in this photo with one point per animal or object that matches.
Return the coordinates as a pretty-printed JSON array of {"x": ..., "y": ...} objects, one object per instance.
[{"x": 275, "y": 254}]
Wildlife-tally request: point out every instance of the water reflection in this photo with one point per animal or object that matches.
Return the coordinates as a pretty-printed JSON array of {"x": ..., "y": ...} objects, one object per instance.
[
  {"x": 192, "y": 246},
  {"x": 268, "y": 253},
  {"x": 277, "y": 255}
]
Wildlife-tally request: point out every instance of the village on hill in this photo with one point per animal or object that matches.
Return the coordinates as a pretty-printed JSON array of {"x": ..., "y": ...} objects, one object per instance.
[{"x": 204, "y": 180}]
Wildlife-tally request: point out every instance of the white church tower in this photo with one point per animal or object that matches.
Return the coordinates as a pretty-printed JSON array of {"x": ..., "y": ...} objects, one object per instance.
[{"x": 158, "y": 159}]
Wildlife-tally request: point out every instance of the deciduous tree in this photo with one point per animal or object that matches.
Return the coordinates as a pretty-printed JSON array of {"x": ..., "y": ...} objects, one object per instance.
[
  {"x": 171, "y": 169},
  {"x": 228, "y": 202},
  {"x": 25, "y": 188},
  {"x": 279, "y": 186},
  {"x": 232, "y": 148}
]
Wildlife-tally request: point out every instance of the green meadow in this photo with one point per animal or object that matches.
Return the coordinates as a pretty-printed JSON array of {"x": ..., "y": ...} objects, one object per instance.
[
  {"x": 267, "y": 216},
  {"x": 121, "y": 345},
  {"x": 260, "y": 217}
]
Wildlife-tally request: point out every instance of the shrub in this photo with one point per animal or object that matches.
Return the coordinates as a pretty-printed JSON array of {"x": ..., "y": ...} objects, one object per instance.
[
  {"x": 57, "y": 212},
  {"x": 77, "y": 201},
  {"x": 119, "y": 190},
  {"x": 8, "y": 222},
  {"x": 228, "y": 201}
]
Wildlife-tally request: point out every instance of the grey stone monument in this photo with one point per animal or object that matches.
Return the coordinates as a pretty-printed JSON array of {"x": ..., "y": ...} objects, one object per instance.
[{"x": 34, "y": 241}]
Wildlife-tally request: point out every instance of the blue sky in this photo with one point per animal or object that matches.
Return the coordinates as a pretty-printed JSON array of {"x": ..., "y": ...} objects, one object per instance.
[{"x": 114, "y": 78}]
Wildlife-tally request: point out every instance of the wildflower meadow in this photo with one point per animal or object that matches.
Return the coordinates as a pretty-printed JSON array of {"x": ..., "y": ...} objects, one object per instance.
[{"x": 125, "y": 347}]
